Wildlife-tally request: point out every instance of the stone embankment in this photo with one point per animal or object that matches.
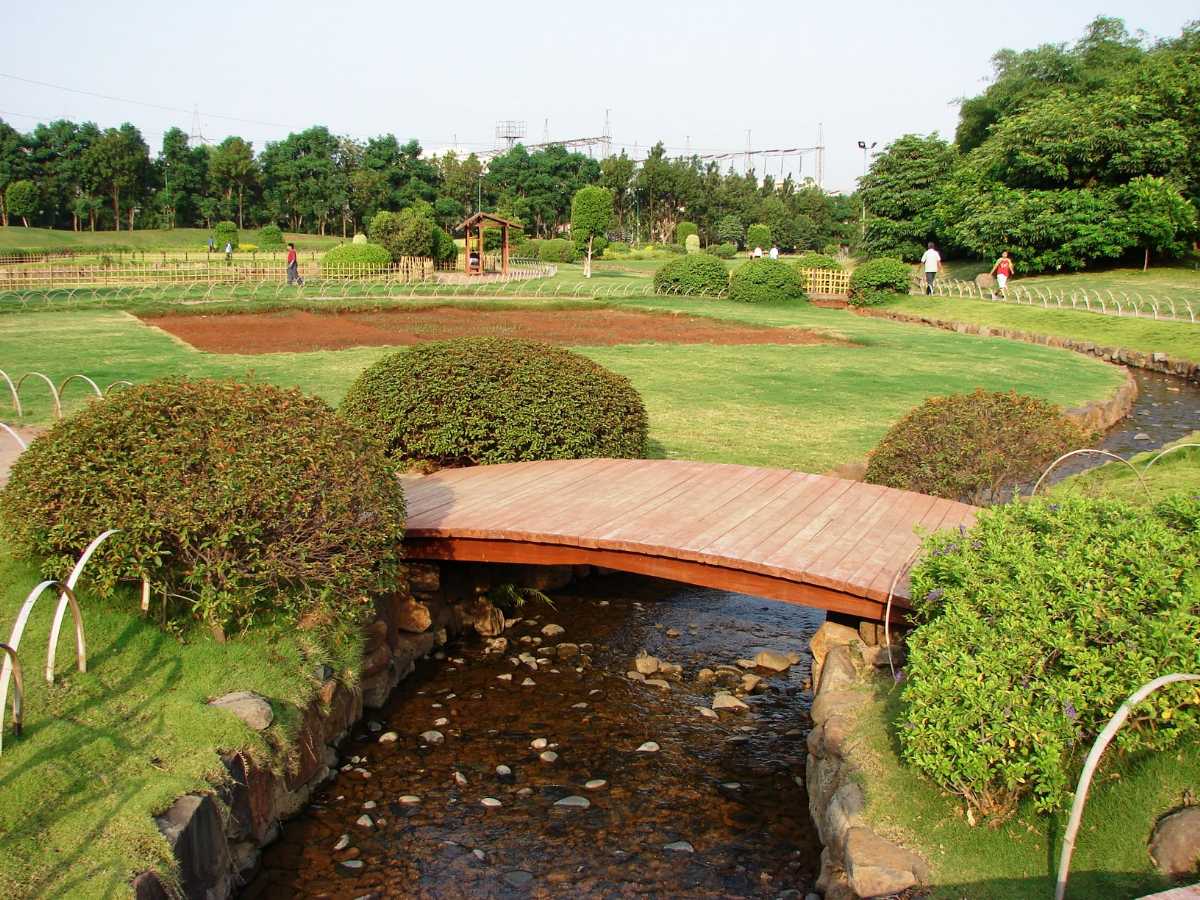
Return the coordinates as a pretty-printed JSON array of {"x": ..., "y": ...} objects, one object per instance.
[
  {"x": 217, "y": 836},
  {"x": 856, "y": 862}
]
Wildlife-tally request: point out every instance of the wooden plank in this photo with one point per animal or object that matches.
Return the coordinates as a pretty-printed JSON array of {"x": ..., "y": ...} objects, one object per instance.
[
  {"x": 855, "y": 545},
  {"x": 931, "y": 521},
  {"x": 894, "y": 541}
]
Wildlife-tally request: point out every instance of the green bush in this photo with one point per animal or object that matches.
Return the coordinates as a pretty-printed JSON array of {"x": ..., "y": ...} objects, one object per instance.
[
  {"x": 557, "y": 250},
  {"x": 237, "y": 501},
  {"x": 444, "y": 249},
  {"x": 223, "y": 233},
  {"x": 1035, "y": 626},
  {"x": 758, "y": 236},
  {"x": 817, "y": 261},
  {"x": 878, "y": 279},
  {"x": 731, "y": 231},
  {"x": 270, "y": 237},
  {"x": 692, "y": 244},
  {"x": 359, "y": 238},
  {"x": 617, "y": 248},
  {"x": 356, "y": 259},
  {"x": 406, "y": 233},
  {"x": 483, "y": 400},
  {"x": 667, "y": 249},
  {"x": 721, "y": 251},
  {"x": 764, "y": 280},
  {"x": 970, "y": 447},
  {"x": 690, "y": 275},
  {"x": 683, "y": 230}
]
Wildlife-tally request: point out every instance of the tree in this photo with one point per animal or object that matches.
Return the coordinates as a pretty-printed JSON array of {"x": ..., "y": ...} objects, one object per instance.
[
  {"x": 13, "y": 164},
  {"x": 409, "y": 232},
  {"x": 591, "y": 215},
  {"x": 22, "y": 200},
  {"x": 758, "y": 235},
  {"x": 901, "y": 191},
  {"x": 781, "y": 222},
  {"x": 616, "y": 174},
  {"x": 231, "y": 167},
  {"x": 730, "y": 230},
  {"x": 182, "y": 170},
  {"x": 118, "y": 162},
  {"x": 1157, "y": 216}
]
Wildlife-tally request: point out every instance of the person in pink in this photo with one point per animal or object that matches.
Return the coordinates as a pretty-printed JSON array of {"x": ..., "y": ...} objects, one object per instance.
[
  {"x": 293, "y": 266},
  {"x": 1003, "y": 270}
]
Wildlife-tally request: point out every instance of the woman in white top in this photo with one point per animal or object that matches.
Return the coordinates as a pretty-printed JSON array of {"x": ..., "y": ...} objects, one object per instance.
[{"x": 933, "y": 265}]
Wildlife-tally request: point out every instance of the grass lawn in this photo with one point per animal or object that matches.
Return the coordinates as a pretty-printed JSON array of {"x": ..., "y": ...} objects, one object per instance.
[
  {"x": 1175, "y": 277},
  {"x": 15, "y": 237},
  {"x": 808, "y": 407},
  {"x": 1019, "y": 859},
  {"x": 1178, "y": 471},
  {"x": 103, "y": 751},
  {"x": 1179, "y": 340}
]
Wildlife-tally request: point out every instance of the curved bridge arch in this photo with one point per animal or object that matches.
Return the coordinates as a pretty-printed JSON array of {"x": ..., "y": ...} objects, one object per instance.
[{"x": 807, "y": 539}]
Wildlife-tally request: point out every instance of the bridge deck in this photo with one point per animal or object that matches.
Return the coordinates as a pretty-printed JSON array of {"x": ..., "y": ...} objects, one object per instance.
[{"x": 808, "y": 539}]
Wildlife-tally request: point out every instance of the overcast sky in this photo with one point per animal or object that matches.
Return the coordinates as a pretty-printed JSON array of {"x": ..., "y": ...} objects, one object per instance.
[{"x": 696, "y": 75}]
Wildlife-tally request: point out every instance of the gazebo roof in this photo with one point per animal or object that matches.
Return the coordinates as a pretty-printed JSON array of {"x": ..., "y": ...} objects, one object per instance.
[{"x": 486, "y": 217}]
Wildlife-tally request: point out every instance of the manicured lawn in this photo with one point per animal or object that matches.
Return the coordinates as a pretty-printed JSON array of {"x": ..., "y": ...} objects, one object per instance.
[
  {"x": 1179, "y": 340},
  {"x": 103, "y": 751},
  {"x": 1019, "y": 859},
  {"x": 1174, "y": 277},
  {"x": 808, "y": 407},
  {"x": 1177, "y": 471},
  {"x": 14, "y": 237}
]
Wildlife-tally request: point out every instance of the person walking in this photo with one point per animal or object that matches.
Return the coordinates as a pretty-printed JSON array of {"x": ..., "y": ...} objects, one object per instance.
[
  {"x": 757, "y": 254},
  {"x": 293, "y": 266},
  {"x": 1003, "y": 270},
  {"x": 211, "y": 244},
  {"x": 933, "y": 264},
  {"x": 774, "y": 254},
  {"x": 229, "y": 253}
]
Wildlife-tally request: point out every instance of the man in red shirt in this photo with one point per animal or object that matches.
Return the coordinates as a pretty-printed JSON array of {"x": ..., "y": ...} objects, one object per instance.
[
  {"x": 293, "y": 266},
  {"x": 1002, "y": 270}
]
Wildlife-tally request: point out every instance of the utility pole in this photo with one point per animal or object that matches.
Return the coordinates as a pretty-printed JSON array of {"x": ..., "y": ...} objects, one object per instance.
[{"x": 862, "y": 145}]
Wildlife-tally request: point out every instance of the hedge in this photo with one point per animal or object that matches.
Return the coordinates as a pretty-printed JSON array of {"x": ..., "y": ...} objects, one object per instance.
[
  {"x": 480, "y": 400},
  {"x": 817, "y": 261},
  {"x": 691, "y": 275},
  {"x": 356, "y": 258},
  {"x": 878, "y": 279},
  {"x": 767, "y": 280},
  {"x": 557, "y": 250},
  {"x": 270, "y": 237},
  {"x": 722, "y": 251}
]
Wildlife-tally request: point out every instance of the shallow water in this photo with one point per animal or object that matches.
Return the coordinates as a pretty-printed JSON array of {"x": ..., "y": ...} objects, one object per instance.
[{"x": 732, "y": 788}]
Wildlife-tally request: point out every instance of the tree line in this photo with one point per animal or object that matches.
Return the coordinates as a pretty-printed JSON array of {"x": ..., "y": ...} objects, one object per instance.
[
  {"x": 66, "y": 174},
  {"x": 1073, "y": 155}
]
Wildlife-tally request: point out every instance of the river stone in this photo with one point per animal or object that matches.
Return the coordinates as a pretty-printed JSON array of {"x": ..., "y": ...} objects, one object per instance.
[
  {"x": 1175, "y": 844},
  {"x": 828, "y": 636},
  {"x": 518, "y": 879},
  {"x": 727, "y": 701},
  {"x": 485, "y": 617},
  {"x": 460, "y": 779},
  {"x": 595, "y": 784},
  {"x": 635, "y": 676},
  {"x": 409, "y": 799},
  {"x": 838, "y": 672},
  {"x": 672, "y": 632},
  {"x": 875, "y": 866},
  {"x": 574, "y": 801},
  {"x": 528, "y": 682},
  {"x": 490, "y": 802},
  {"x": 370, "y": 804},
  {"x": 705, "y": 676},
  {"x": 773, "y": 660},
  {"x": 659, "y": 683},
  {"x": 706, "y": 712},
  {"x": 1141, "y": 436},
  {"x": 352, "y": 864},
  {"x": 646, "y": 664},
  {"x": 670, "y": 670},
  {"x": 252, "y": 709},
  {"x": 507, "y": 676},
  {"x": 432, "y": 737},
  {"x": 680, "y": 846},
  {"x": 364, "y": 821},
  {"x": 648, "y": 747},
  {"x": 746, "y": 663},
  {"x": 548, "y": 756},
  {"x": 503, "y": 770},
  {"x": 539, "y": 743},
  {"x": 414, "y": 616},
  {"x": 342, "y": 843},
  {"x": 567, "y": 651},
  {"x": 553, "y": 630},
  {"x": 750, "y": 682},
  {"x": 389, "y": 737}
]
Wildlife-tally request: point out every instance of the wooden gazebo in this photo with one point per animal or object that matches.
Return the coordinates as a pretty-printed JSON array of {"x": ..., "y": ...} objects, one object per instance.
[{"x": 473, "y": 229}]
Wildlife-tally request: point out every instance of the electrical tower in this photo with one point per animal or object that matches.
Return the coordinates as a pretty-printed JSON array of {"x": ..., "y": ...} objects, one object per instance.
[
  {"x": 508, "y": 132},
  {"x": 196, "y": 137}
]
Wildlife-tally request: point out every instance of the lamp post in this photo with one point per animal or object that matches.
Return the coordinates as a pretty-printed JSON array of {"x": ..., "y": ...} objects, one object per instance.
[{"x": 865, "y": 148}]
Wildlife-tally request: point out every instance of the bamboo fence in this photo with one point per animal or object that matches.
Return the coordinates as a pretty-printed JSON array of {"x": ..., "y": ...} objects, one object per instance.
[{"x": 826, "y": 282}]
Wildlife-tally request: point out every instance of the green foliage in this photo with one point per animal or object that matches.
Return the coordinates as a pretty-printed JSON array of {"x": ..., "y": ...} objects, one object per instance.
[
  {"x": 444, "y": 249},
  {"x": 817, "y": 261},
  {"x": 557, "y": 250},
  {"x": 691, "y": 275},
  {"x": 877, "y": 279},
  {"x": 476, "y": 401},
  {"x": 721, "y": 251},
  {"x": 692, "y": 243},
  {"x": 970, "y": 447},
  {"x": 270, "y": 237},
  {"x": 901, "y": 192},
  {"x": 591, "y": 213},
  {"x": 409, "y": 232},
  {"x": 356, "y": 259},
  {"x": 238, "y": 501},
  {"x": 683, "y": 229},
  {"x": 359, "y": 238},
  {"x": 783, "y": 224},
  {"x": 21, "y": 199},
  {"x": 1035, "y": 626},
  {"x": 616, "y": 248},
  {"x": 225, "y": 233},
  {"x": 758, "y": 236},
  {"x": 766, "y": 280},
  {"x": 1157, "y": 217},
  {"x": 730, "y": 230}
]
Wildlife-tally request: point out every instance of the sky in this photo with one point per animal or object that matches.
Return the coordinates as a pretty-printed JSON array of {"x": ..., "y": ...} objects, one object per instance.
[{"x": 702, "y": 76}]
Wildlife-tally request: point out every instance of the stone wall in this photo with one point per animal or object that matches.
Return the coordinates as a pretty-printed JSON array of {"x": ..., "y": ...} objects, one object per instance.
[
  {"x": 855, "y": 862},
  {"x": 217, "y": 836}
]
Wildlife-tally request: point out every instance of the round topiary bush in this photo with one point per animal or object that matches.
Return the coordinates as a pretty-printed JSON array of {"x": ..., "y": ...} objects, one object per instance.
[
  {"x": 763, "y": 280},
  {"x": 878, "y": 279},
  {"x": 270, "y": 237},
  {"x": 817, "y": 261},
  {"x": 356, "y": 259},
  {"x": 1035, "y": 625},
  {"x": 690, "y": 275},
  {"x": 758, "y": 235},
  {"x": 692, "y": 243},
  {"x": 970, "y": 447},
  {"x": 480, "y": 400},
  {"x": 359, "y": 238},
  {"x": 721, "y": 251},
  {"x": 225, "y": 233},
  {"x": 235, "y": 500},
  {"x": 557, "y": 250}
]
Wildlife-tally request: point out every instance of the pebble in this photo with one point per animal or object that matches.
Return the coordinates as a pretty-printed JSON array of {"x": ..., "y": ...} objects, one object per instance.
[
  {"x": 593, "y": 692},
  {"x": 603, "y": 603},
  {"x": 503, "y": 770},
  {"x": 548, "y": 756},
  {"x": 1141, "y": 436},
  {"x": 438, "y": 723},
  {"x": 553, "y": 630},
  {"x": 578, "y": 706},
  {"x": 528, "y": 682},
  {"x": 539, "y": 743},
  {"x": 635, "y": 676},
  {"x": 672, "y": 632},
  {"x": 507, "y": 676},
  {"x": 658, "y": 683},
  {"x": 525, "y": 792},
  {"x": 352, "y": 864},
  {"x": 746, "y": 663},
  {"x": 773, "y": 659},
  {"x": 706, "y": 712},
  {"x": 490, "y": 802},
  {"x": 432, "y": 737},
  {"x": 342, "y": 843},
  {"x": 727, "y": 701},
  {"x": 648, "y": 747},
  {"x": 750, "y": 682},
  {"x": 389, "y": 737},
  {"x": 646, "y": 664},
  {"x": 409, "y": 799},
  {"x": 731, "y": 785},
  {"x": 680, "y": 846},
  {"x": 479, "y": 854},
  {"x": 364, "y": 821},
  {"x": 460, "y": 779},
  {"x": 370, "y": 804},
  {"x": 574, "y": 801},
  {"x": 518, "y": 879},
  {"x": 595, "y": 784}
]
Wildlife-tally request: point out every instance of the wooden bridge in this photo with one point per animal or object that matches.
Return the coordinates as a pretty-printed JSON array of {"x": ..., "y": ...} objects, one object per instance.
[{"x": 807, "y": 539}]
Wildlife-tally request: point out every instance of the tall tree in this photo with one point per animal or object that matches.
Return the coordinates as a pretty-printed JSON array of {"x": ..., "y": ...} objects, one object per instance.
[
  {"x": 591, "y": 215},
  {"x": 901, "y": 191},
  {"x": 182, "y": 171},
  {"x": 13, "y": 164},
  {"x": 118, "y": 161},
  {"x": 231, "y": 167}
]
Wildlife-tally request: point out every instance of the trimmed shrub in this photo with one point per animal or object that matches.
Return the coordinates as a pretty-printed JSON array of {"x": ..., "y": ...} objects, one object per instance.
[
  {"x": 355, "y": 259},
  {"x": 1035, "y": 626},
  {"x": 444, "y": 249},
  {"x": 721, "y": 251},
  {"x": 667, "y": 249},
  {"x": 970, "y": 447},
  {"x": 359, "y": 238},
  {"x": 406, "y": 233},
  {"x": 482, "y": 400},
  {"x": 817, "y": 261},
  {"x": 878, "y": 279},
  {"x": 557, "y": 250},
  {"x": 683, "y": 230},
  {"x": 764, "y": 280},
  {"x": 225, "y": 233},
  {"x": 270, "y": 237},
  {"x": 239, "y": 501},
  {"x": 692, "y": 244},
  {"x": 758, "y": 236},
  {"x": 689, "y": 275}
]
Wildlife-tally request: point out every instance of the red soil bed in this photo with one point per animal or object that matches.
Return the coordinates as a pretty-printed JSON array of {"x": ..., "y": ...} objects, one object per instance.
[{"x": 299, "y": 331}]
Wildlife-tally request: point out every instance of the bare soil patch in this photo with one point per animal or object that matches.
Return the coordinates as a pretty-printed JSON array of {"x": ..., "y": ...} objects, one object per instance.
[{"x": 297, "y": 331}]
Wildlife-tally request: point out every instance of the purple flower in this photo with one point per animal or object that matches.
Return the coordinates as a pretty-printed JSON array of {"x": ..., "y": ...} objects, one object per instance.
[
  {"x": 1069, "y": 711},
  {"x": 1053, "y": 507},
  {"x": 962, "y": 529},
  {"x": 935, "y": 594},
  {"x": 898, "y": 676}
]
